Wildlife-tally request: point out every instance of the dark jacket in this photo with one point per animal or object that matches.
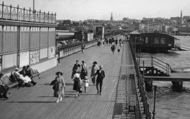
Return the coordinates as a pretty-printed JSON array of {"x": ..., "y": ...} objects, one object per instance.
[
  {"x": 100, "y": 75},
  {"x": 74, "y": 70},
  {"x": 84, "y": 71}
]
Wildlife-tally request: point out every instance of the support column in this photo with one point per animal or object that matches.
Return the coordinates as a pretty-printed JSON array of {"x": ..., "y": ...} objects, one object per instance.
[{"x": 18, "y": 46}]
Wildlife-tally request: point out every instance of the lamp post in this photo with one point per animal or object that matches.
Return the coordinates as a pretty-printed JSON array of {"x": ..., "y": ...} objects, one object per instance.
[
  {"x": 154, "y": 106},
  {"x": 33, "y": 5},
  {"x": 34, "y": 11}
]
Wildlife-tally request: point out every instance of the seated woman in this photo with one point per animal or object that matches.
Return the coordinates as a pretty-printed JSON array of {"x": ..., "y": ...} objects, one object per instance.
[
  {"x": 23, "y": 71},
  {"x": 26, "y": 81}
]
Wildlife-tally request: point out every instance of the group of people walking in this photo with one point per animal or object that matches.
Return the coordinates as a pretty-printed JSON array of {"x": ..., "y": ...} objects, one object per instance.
[
  {"x": 114, "y": 46},
  {"x": 80, "y": 79},
  {"x": 80, "y": 76}
]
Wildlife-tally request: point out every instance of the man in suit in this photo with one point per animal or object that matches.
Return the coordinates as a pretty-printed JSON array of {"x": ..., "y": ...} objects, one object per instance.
[{"x": 99, "y": 81}]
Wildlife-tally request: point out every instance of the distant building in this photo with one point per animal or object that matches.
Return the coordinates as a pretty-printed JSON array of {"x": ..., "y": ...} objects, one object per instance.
[
  {"x": 100, "y": 32},
  {"x": 181, "y": 18},
  {"x": 183, "y": 30}
]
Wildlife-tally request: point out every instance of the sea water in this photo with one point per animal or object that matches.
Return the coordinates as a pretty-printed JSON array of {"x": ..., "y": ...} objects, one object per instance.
[{"x": 170, "y": 104}]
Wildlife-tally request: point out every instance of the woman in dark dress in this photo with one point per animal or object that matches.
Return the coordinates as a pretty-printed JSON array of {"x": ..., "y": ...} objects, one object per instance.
[{"x": 77, "y": 84}]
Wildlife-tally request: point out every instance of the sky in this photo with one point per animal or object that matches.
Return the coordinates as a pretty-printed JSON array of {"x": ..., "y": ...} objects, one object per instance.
[{"x": 102, "y": 9}]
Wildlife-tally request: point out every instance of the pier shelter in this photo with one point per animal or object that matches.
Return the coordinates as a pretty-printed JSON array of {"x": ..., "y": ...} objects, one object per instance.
[
  {"x": 153, "y": 42},
  {"x": 27, "y": 37}
]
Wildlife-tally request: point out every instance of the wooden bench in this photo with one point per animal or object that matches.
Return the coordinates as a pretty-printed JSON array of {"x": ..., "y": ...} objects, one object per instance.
[
  {"x": 7, "y": 81},
  {"x": 11, "y": 81}
]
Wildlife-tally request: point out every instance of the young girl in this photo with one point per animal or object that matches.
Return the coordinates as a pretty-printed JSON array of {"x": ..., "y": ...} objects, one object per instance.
[{"x": 86, "y": 83}]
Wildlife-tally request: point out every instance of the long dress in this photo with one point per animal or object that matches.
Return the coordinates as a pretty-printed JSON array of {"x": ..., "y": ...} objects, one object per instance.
[
  {"x": 58, "y": 86},
  {"x": 77, "y": 82},
  {"x": 93, "y": 71}
]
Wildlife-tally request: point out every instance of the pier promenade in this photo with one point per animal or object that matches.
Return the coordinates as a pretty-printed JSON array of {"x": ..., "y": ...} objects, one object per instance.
[{"x": 38, "y": 102}]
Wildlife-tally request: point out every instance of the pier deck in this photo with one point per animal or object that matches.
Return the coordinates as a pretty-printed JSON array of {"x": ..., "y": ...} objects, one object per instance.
[{"x": 38, "y": 102}]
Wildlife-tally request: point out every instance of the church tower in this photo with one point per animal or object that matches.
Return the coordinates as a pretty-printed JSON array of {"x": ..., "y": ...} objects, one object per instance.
[
  {"x": 111, "y": 18},
  {"x": 181, "y": 18}
]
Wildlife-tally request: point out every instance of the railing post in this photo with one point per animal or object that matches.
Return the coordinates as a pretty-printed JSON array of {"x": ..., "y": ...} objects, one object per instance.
[
  {"x": 143, "y": 68},
  {"x": 44, "y": 17},
  {"x": 168, "y": 69},
  {"x": 40, "y": 16},
  {"x": 139, "y": 56},
  {"x": 54, "y": 18},
  {"x": 10, "y": 11},
  {"x": 29, "y": 14},
  {"x": 151, "y": 61},
  {"x": 17, "y": 14},
  {"x": 152, "y": 69},
  {"x": 2, "y": 9},
  {"x": 48, "y": 17},
  {"x": 154, "y": 106},
  {"x": 24, "y": 14},
  {"x": 34, "y": 15}
]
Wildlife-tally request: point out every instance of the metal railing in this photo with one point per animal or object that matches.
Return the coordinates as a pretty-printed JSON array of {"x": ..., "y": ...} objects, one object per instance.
[
  {"x": 73, "y": 48},
  {"x": 22, "y": 14},
  {"x": 163, "y": 66},
  {"x": 140, "y": 84}
]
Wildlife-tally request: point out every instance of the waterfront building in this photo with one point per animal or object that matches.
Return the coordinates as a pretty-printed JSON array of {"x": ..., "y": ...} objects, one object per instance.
[{"x": 26, "y": 38}]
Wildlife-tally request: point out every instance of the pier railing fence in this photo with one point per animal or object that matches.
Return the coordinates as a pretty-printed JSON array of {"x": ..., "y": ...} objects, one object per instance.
[
  {"x": 140, "y": 86},
  {"x": 9, "y": 12}
]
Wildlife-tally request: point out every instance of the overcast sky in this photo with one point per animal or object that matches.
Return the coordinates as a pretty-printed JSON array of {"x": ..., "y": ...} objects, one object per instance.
[{"x": 101, "y": 9}]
